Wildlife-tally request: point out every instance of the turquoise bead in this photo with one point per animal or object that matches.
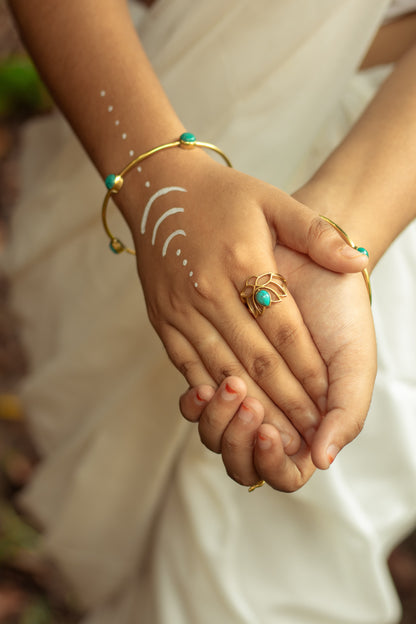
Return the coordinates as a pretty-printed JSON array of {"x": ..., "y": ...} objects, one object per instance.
[
  {"x": 116, "y": 246},
  {"x": 109, "y": 181},
  {"x": 362, "y": 250},
  {"x": 263, "y": 298},
  {"x": 187, "y": 137}
]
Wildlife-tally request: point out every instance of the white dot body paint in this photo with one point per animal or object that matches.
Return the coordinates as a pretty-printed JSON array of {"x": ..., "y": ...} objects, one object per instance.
[
  {"x": 139, "y": 169},
  {"x": 124, "y": 136},
  {"x": 110, "y": 109},
  {"x": 147, "y": 184},
  {"x": 169, "y": 238},
  {"x": 185, "y": 262},
  {"x": 166, "y": 214},
  {"x": 178, "y": 252},
  {"x": 102, "y": 93},
  {"x": 131, "y": 153},
  {"x": 191, "y": 273},
  {"x": 196, "y": 284},
  {"x": 117, "y": 122},
  {"x": 163, "y": 191}
]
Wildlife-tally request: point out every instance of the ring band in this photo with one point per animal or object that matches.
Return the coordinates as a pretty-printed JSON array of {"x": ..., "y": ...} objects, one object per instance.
[
  {"x": 261, "y": 291},
  {"x": 349, "y": 242},
  {"x": 256, "y": 485}
]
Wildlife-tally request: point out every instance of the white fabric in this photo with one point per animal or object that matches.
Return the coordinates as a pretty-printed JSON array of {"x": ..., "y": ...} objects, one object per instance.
[
  {"x": 141, "y": 518},
  {"x": 398, "y": 8}
]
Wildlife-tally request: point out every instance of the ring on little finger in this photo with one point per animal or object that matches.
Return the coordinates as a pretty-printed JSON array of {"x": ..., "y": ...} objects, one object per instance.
[
  {"x": 256, "y": 485},
  {"x": 260, "y": 291}
]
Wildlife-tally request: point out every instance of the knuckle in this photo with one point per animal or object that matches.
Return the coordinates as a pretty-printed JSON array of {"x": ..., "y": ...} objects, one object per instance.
[
  {"x": 318, "y": 230},
  {"x": 285, "y": 335},
  {"x": 185, "y": 367},
  {"x": 264, "y": 365},
  {"x": 232, "y": 369}
]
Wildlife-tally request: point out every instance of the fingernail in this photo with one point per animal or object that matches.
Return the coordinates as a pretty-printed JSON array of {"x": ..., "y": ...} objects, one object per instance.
[
  {"x": 286, "y": 438},
  {"x": 309, "y": 435},
  {"x": 228, "y": 393},
  {"x": 245, "y": 414},
  {"x": 331, "y": 452},
  {"x": 263, "y": 442},
  {"x": 350, "y": 252},
  {"x": 199, "y": 400},
  {"x": 203, "y": 396}
]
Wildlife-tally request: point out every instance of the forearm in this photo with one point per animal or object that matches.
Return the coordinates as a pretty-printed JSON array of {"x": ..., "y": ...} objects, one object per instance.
[
  {"x": 368, "y": 184},
  {"x": 84, "y": 48}
]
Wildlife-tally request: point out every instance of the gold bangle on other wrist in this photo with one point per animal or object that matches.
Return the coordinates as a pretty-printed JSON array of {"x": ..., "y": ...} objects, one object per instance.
[
  {"x": 362, "y": 250},
  {"x": 114, "y": 182}
]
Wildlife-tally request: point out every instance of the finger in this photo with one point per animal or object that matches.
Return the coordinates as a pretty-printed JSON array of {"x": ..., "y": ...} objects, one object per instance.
[
  {"x": 221, "y": 362},
  {"x": 283, "y": 324},
  {"x": 238, "y": 442},
  {"x": 303, "y": 230},
  {"x": 349, "y": 399},
  {"x": 194, "y": 400},
  {"x": 185, "y": 357},
  {"x": 217, "y": 415},
  {"x": 283, "y": 473},
  {"x": 263, "y": 364}
]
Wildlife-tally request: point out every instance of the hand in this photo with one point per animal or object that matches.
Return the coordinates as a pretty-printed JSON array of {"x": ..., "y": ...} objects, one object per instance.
[
  {"x": 336, "y": 310},
  {"x": 231, "y": 229}
]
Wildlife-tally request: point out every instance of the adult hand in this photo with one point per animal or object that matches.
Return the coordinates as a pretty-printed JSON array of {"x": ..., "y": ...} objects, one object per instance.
[
  {"x": 336, "y": 310},
  {"x": 203, "y": 230}
]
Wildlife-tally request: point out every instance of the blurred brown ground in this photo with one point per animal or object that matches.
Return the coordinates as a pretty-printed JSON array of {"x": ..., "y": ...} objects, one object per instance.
[{"x": 30, "y": 590}]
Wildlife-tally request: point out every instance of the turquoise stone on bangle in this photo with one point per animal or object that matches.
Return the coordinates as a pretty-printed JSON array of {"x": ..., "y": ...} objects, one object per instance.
[
  {"x": 110, "y": 180},
  {"x": 187, "y": 139},
  {"x": 263, "y": 298},
  {"x": 116, "y": 246},
  {"x": 114, "y": 182},
  {"x": 362, "y": 250}
]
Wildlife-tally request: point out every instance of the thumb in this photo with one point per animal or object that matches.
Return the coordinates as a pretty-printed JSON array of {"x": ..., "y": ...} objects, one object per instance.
[{"x": 301, "y": 229}]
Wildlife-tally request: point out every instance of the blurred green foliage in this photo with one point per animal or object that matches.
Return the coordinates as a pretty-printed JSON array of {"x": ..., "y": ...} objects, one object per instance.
[{"x": 22, "y": 92}]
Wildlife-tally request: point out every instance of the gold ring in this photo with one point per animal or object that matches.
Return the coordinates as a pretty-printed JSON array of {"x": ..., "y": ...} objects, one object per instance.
[
  {"x": 261, "y": 291},
  {"x": 256, "y": 485}
]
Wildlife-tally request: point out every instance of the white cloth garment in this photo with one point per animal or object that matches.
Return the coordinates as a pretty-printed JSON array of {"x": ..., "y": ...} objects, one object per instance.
[{"x": 141, "y": 518}]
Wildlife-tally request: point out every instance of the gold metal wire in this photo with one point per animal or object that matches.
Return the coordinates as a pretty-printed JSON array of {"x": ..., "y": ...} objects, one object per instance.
[
  {"x": 256, "y": 485},
  {"x": 116, "y": 244},
  {"x": 274, "y": 283},
  {"x": 348, "y": 240}
]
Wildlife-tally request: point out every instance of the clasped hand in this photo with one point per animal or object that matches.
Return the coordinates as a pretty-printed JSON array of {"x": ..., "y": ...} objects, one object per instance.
[{"x": 293, "y": 384}]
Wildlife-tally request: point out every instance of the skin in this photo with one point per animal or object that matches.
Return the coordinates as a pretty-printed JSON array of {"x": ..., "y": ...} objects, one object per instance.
[
  {"x": 366, "y": 206},
  {"x": 201, "y": 328}
]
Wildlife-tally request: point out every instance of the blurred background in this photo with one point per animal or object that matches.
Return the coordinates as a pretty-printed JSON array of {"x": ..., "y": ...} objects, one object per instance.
[{"x": 31, "y": 591}]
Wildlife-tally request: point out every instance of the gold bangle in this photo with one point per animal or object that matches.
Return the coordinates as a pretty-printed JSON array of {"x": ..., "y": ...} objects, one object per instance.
[
  {"x": 115, "y": 182},
  {"x": 363, "y": 250}
]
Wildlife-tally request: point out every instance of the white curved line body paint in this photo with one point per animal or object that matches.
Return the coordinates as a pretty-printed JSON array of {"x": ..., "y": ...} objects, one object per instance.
[
  {"x": 159, "y": 193},
  {"x": 166, "y": 214},
  {"x": 169, "y": 238}
]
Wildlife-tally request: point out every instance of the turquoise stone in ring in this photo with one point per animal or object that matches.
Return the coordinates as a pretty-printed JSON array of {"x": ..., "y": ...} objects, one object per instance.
[
  {"x": 263, "y": 298},
  {"x": 362, "y": 250}
]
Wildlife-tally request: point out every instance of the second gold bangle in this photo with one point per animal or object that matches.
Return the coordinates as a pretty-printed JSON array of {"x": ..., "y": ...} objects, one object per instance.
[{"x": 348, "y": 240}]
